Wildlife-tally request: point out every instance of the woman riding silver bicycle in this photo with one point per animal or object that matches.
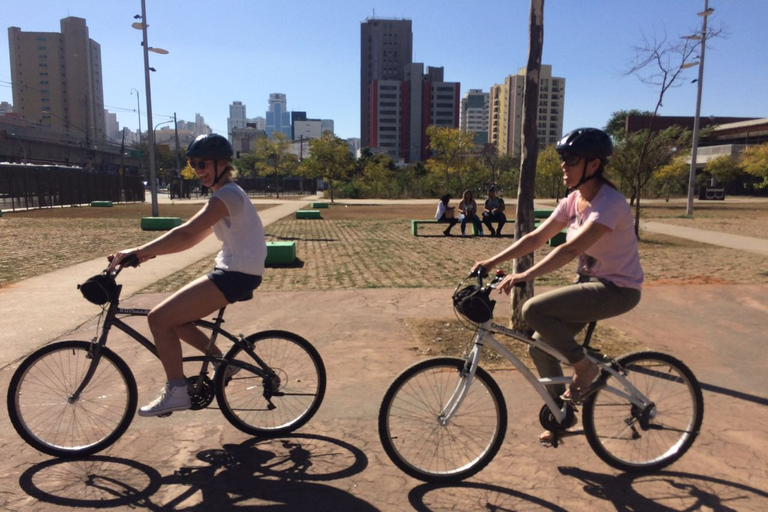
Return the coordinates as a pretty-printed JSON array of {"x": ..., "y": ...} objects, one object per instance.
[{"x": 600, "y": 233}]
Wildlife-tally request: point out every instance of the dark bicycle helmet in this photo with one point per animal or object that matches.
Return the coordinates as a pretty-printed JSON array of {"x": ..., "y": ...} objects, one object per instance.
[
  {"x": 211, "y": 147},
  {"x": 589, "y": 143}
]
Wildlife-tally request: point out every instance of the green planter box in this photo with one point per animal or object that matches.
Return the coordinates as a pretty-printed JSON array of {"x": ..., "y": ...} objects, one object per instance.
[
  {"x": 280, "y": 253},
  {"x": 159, "y": 223},
  {"x": 319, "y": 205},
  {"x": 308, "y": 214},
  {"x": 101, "y": 204}
]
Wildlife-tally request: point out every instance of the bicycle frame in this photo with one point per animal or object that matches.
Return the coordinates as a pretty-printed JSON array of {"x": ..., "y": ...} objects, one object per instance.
[
  {"x": 112, "y": 320},
  {"x": 484, "y": 336}
]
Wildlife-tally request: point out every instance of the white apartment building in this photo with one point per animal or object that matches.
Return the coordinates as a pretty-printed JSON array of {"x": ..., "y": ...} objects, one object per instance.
[{"x": 506, "y": 110}]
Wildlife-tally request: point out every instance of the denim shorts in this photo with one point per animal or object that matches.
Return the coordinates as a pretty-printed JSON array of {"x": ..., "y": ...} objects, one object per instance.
[{"x": 234, "y": 285}]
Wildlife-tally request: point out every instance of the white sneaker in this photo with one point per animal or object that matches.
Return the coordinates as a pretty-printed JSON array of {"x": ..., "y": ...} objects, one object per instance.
[
  {"x": 172, "y": 398},
  {"x": 229, "y": 372}
]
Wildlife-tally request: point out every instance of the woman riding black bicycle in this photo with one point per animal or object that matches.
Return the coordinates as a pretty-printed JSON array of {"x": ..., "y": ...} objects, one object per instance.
[
  {"x": 231, "y": 216},
  {"x": 601, "y": 234}
]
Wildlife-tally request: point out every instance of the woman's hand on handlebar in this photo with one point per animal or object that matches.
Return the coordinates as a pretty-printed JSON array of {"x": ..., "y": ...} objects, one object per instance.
[
  {"x": 129, "y": 256},
  {"x": 486, "y": 265},
  {"x": 509, "y": 281}
]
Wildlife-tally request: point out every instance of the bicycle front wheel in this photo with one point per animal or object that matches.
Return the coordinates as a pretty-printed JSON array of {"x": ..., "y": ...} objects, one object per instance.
[
  {"x": 46, "y": 413},
  {"x": 283, "y": 400},
  {"x": 419, "y": 440},
  {"x": 635, "y": 440}
]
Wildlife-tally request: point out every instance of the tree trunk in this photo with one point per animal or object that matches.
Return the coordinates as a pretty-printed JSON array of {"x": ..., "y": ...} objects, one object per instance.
[{"x": 526, "y": 189}]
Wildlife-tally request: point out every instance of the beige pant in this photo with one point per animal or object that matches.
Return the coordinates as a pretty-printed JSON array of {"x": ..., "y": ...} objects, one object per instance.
[{"x": 557, "y": 316}]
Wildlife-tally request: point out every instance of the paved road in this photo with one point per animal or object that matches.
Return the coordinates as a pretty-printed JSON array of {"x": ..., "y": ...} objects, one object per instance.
[{"x": 197, "y": 461}]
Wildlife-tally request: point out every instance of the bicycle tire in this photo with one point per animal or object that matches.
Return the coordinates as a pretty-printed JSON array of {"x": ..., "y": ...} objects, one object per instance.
[
  {"x": 302, "y": 381},
  {"x": 419, "y": 444},
  {"x": 41, "y": 409},
  {"x": 628, "y": 440}
]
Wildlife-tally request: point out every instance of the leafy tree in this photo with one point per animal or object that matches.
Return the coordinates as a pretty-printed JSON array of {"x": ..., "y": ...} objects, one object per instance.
[
  {"x": 330, "y": 159},
  {"x": 754, "y": 161},
  {"x": 450, "y": 148},
  {"x": 616, "y": 126},
  {"x": 273, "y": 158},
  {"x": 549, "y": 174},
  {"x": 724, "y": 169},
  {"x": 639, "y": 155},
  {"x": 380, "y": 177},
  {"x": 673, "y": 176}
]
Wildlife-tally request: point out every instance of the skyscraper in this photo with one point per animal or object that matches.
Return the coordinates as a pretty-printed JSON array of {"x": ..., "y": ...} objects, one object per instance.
[
  {"x": 506, "y": 104},
  {"x": 401, "y": 111},
  {"x": 57, "y": 79},
  {"x": 278, "y": 117},
  {"x": 474, "y": 114},
  {"x": 386, "y": 49},
  {"x": 236, "y": 118}
]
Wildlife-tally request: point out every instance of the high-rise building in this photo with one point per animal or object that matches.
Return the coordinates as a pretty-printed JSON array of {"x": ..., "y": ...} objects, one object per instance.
[
  {"x": 506, "y": 104},
  {"x": 57, "y": 80},
  {"x": 236, "y": 118},
  {"x": 278, "y": 117},
  {"x": 386, "y": 49},
  {"x": 401, "y": 111},
  {"x": 474, "y": 114}
]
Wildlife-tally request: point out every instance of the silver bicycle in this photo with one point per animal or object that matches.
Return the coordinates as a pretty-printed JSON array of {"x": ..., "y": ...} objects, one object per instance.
[{"x": 444, "y": 419}]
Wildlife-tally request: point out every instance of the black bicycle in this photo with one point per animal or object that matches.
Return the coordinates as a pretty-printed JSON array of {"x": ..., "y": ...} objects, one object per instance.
[{"x": 75, "y": 398}]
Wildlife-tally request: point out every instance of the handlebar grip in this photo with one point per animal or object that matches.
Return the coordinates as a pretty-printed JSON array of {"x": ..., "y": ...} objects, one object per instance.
[{"x": 130, "y": 261}]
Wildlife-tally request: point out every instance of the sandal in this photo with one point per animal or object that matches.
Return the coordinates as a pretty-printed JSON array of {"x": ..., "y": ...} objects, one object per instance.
[{"x": 583, "y": 386}]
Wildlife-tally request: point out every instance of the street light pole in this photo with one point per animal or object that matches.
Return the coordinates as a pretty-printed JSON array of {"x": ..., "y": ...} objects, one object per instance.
[
  {"x": 692, "y": 174},
  {"x": 138, "y": 110},
  {"x": 151, "y": 135}
]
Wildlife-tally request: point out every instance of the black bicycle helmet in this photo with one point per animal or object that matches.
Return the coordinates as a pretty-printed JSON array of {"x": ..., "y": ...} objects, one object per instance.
[
  {"x": 589, "y": 143},
  {"x": 211, "y": 147}
]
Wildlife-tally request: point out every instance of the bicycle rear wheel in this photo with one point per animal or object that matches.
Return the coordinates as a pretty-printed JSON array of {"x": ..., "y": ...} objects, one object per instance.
[
  {"x": 634, "y": 440},
  {"x": 45, "y": 414},
  {"x": 419, "y": 443},
  {"x": 278, "y": 404}
]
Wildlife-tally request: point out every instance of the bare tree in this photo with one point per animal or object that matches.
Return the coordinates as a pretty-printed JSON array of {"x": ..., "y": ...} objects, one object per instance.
[
  {"x": 660, "y": 63},
  {"x": 526, "y": 190}
]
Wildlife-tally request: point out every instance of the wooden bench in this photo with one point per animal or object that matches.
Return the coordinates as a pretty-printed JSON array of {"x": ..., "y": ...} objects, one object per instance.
[
  {"x": 415, "y": 225},
  {"x": 542, "y": 214},
  {"x": 280, "y": 253},
  {"x": 308, "y": 214}
]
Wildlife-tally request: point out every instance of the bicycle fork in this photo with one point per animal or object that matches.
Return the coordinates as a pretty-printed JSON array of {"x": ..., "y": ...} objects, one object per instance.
[{"x": 462, "y": 388}]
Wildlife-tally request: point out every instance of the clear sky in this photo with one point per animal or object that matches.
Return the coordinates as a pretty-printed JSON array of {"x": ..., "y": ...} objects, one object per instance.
[{"x": 243, "y": 50}]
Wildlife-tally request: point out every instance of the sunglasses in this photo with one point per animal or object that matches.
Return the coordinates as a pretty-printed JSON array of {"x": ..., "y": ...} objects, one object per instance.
[
  {"x": 569, "y": 159},
  {"x": 198, "y": 164}
]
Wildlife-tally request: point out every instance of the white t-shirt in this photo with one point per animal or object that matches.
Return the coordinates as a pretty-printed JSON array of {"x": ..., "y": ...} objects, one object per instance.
[
  {"x": 441, "y": 209},
  {"x": 614, "y": 256},
  {"x": 244, "y": 248}
]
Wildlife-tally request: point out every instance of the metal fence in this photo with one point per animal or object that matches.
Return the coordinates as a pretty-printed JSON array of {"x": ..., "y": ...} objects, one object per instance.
[{"x": 41, "y": 186}]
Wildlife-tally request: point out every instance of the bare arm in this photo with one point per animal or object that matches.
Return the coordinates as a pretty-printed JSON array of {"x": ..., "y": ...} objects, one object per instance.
[
  {"x": 590, "y": 233},
  {"x": 179, "y": 238},
  {"x": 526, "y": 245}
]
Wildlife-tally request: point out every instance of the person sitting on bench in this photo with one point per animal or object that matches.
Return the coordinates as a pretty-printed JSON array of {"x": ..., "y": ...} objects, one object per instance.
[
  {"x": 494, "y": 212},
  {"x": 444, "y": 213}
]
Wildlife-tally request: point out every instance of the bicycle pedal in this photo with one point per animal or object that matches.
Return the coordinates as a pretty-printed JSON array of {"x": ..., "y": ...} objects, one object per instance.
[{"x": 164, "y": 415}]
